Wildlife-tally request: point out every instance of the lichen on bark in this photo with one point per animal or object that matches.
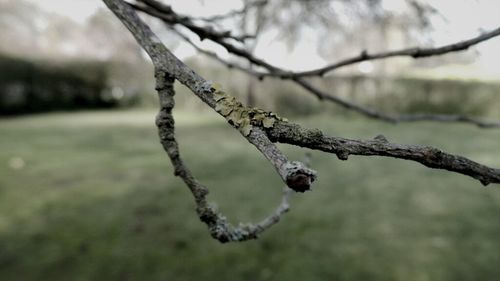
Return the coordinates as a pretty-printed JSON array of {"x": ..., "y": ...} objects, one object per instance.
[{"x": 240, "y": 116}]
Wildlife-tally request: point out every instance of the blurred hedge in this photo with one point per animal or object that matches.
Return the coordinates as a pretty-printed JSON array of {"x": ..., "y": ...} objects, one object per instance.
[
  {"x": 36, "y": 86},
  {"x": 393, "y": 95}
]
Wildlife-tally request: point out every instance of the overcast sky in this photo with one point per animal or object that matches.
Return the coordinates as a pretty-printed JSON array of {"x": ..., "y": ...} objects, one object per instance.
[{"x": 464, "y": 19}]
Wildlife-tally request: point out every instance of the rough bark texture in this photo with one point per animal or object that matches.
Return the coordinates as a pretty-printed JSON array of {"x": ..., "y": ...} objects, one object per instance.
[{"x": 379, "y": 146}]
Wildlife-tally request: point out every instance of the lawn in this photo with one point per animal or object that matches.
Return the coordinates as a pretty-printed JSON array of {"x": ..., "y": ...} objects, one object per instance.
[{"x": 91, "y": 196}]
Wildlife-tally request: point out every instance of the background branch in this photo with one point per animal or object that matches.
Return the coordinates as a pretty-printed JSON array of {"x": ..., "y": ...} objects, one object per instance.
[
  {"x": 415, "y": 53},
  {"x": 165, "y": 12},
  {"x": 368, "y": 112},
  {"x": 262, "y": 135},
  {"x": 234, "y": 13},
  {"x": 423, "y": 155}
]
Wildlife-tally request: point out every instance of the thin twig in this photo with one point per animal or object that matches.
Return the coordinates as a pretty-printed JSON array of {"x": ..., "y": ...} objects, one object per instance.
[
  {"x": 165, "y": 12},
  {"x": 369, "y": 112},
  {"x": 234, "y": 13},
  {"x": 414, "y": 52},
  {"x": 274, "y": 71}
]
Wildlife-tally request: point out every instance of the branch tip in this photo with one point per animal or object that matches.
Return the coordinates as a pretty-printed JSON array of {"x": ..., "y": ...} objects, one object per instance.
[{"x": 299, "y": 177}]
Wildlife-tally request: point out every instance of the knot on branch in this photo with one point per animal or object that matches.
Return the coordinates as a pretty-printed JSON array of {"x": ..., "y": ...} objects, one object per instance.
[
  {"x": 364, "y": 55},
  {"x": 416, "y": 53},
  {"x": 342, "y": 154},
  {"x": 434, "y": 155},
  {"x": 299, "y": 177},
  {"x": 381, "y": 138}
]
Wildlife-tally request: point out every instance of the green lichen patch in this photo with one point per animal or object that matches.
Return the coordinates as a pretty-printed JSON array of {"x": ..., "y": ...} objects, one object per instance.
[
  {"x": 268, "y": 122},
  {"x": 239, "y": 116}
]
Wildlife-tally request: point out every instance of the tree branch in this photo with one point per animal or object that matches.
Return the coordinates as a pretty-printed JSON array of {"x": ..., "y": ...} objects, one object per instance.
[
  {"x": 158, "y": 10},
  {"x": 415, "y": 53},
  {"x": 165, "y": 12},
  {"x": 368, "y": 112},
  {"x": 274, "y": 71},
  {"x": 379, "y": 146},
  {"x": 217, "y": 223},
  {"x": 394, "y": 118},
  {"x": 167, "y": 68},
  {"x": 262, "y": 129},
  {"x": 234, "y": 13},
  {"x": 165, "y": 61}
]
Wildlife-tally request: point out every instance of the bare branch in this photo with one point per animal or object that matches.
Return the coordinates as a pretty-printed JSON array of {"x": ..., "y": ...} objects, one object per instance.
[
  {"x": 157, "y": 10},
  {"x": 284, "y": 131},
  {"x": 274, "y": 71},
  {"x": 371, "y": 113},
  {"x": 213, "y": 55},
  {"x": 297, "y": 77},
  {"x": 448, "y": 119},
  {"x": 431, "y": 157},
  {"x": 165, "y": 12},
  {"x": 415, "y": 53},
  {"x": 393, "y": 118},
  {"x": 262, "y": 129},
  {"x": 234, "y": 13},
  {"x": 164, "y": 60},
  {"x": 217, "y": 223}
]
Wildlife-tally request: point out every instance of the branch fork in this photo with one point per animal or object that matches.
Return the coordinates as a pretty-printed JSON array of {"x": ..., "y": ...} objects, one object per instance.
[{"x": 263, "y": 132}]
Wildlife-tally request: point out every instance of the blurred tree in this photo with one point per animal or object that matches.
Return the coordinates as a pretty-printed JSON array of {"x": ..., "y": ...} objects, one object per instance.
[
  {"x": 21, "y": 24},
  {"x": 106, "y": 39}
]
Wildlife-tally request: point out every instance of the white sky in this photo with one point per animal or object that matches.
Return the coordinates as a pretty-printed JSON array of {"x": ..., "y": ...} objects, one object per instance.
[
  {"x": 465, "y": 18},
  {"x": 78, "y": 10}
]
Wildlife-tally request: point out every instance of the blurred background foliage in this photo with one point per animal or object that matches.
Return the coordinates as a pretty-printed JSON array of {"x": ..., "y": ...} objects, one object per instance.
[
  {"x": 30, "y": 86},
  {"x": 88, "y": 193},
  {"x": 52, "y": 62}
]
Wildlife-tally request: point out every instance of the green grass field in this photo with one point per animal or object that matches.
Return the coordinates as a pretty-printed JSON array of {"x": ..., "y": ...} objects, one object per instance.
[{"x": 91, "y": 196}]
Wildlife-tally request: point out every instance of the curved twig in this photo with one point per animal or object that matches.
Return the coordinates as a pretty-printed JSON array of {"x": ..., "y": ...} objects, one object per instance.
[{"x": 217, "y": 223}]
